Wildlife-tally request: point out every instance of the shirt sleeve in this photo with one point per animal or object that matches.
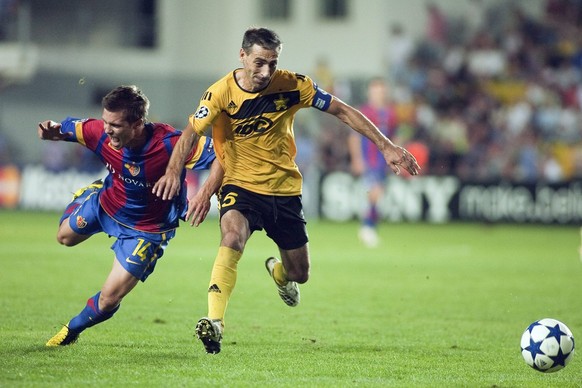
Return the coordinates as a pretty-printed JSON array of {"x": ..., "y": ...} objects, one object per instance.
[
  {"x": 203, "y": 155},
  {"x": 312, "y": 95},
  {"x": 209, "y": 108},
  {"x": 74, "y": 128},
  {"x": 86, "y": 132},
  {"x": 321, "y": 98}
]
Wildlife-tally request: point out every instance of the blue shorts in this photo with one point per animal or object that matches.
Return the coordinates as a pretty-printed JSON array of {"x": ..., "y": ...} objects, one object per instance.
[
  {"x": 136, "y": 251},
  {"x": 375, "y": 177}
]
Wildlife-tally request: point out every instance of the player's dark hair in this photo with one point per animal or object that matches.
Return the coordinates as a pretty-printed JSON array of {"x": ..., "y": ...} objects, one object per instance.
[
  {"x": 130, "y": 100},
  {"x": 267, "y": 39}
]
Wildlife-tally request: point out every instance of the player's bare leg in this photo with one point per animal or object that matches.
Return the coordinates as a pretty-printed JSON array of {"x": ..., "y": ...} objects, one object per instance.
[
  {"x": 100, "y": 306},
  {"x": 368, "y": 233},
  {"x": 67, "y": 236},
  {"x": 288, "y": 272},
  {"x": 117, "y": 285},
  {"x": 296, "y": 263}
]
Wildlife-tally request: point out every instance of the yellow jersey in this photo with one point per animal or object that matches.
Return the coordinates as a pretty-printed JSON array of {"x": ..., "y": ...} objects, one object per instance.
[{"x": 253, "y": 132}]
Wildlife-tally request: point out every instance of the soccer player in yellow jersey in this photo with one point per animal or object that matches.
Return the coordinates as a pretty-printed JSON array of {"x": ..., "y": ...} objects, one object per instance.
[{"x": 251, "y": 111}]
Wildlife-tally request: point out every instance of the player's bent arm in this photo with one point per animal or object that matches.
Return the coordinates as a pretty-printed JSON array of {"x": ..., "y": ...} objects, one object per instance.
[
  {"x": 168, "y": 185},
  {"x": 199, "y": 204},
  {"x": 358, "y": 122},
  {"x": 395, "y": 156}
]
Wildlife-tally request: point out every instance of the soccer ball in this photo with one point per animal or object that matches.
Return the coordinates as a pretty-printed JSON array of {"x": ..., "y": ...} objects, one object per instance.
[{"x": 547, "y": 345}]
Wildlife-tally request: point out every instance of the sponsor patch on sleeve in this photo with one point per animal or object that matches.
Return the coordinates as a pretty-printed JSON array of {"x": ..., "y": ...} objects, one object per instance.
[
  {"x": 202, "y": 112},
  {"x": 322, "y": 99}
]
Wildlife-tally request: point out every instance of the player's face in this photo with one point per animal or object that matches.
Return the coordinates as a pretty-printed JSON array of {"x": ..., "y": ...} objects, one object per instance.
[
  {"x": 378, "y": 94},
  {"x": 120, "y": 132},
  {"x": 259, "y": 65}
]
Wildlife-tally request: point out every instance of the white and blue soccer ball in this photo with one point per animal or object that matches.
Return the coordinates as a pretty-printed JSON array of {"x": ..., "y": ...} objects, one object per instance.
[{"x": 547, "y": 345}]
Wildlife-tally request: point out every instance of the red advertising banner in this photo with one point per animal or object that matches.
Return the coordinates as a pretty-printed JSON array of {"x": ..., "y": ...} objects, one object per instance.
[{"x": 9, "y": 186}]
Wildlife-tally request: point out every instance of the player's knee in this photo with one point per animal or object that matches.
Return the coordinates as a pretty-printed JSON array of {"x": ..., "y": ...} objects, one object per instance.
[
  {"x": 233, "y": 240},
  {"x": 66, "y": 240},
  {"x": 69, "y": 238}
]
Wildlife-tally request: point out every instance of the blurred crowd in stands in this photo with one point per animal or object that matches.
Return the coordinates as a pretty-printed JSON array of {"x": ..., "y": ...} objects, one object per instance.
[{"x": 493, "y": 95}]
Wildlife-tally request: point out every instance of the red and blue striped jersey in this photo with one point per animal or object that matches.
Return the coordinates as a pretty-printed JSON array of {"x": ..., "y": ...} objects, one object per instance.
[
  {"x": 127, "y": 190},
  {"x": 385, "y": 120}
]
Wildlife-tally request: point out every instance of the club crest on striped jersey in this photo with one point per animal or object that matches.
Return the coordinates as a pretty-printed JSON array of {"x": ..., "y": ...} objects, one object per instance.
[
  {"x": 81, "y": 222},
  {"x": 132, "y": 168}
]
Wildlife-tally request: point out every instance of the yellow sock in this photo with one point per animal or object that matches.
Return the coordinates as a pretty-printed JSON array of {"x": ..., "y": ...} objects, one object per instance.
[
  {"x": 279, "y": 274},
  {"x": 222, "y": 281}
]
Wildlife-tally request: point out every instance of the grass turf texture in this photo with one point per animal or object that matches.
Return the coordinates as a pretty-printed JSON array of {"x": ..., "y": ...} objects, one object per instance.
[{"x": 434, "y": 305}]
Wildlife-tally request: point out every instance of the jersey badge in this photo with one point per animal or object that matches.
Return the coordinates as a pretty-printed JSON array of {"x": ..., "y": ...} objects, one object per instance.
[
  {"x": 202, "y": 112},
  {"x": 132, "y": 168},
  {"x": 281, "y": 103},
  {"x": 81, "y": 222}
]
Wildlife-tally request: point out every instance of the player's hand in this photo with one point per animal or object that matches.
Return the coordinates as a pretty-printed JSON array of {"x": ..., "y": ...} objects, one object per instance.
[
  {"x": 50, "y": 130},
  {"x": 168, "y": 186},
  {"x": 198, "y": 208},
  {"x": 399, "y": 157}
]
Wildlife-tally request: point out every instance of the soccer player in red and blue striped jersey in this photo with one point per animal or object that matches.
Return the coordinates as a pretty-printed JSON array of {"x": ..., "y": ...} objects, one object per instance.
[
  {"x": 135, "y": 153},
  {"x": 367, "y": 160}
]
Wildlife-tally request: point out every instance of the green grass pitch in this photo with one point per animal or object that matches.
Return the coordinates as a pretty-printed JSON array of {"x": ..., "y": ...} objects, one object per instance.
[{"x": 433, "y": 306}]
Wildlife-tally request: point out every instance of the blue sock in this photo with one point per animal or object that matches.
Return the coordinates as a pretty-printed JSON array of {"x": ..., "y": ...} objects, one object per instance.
[
  {"x": 371, "y": 218},
  {"x": 91, "y": 315}
]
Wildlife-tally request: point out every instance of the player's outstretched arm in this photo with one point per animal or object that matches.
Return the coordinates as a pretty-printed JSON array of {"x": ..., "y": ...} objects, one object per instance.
[
  {"x": 50, "y": 130},
  {"x": 168, "y": 185},
  {"x": 395, "y": 156},
  {"x": 199, "y": 204}
]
